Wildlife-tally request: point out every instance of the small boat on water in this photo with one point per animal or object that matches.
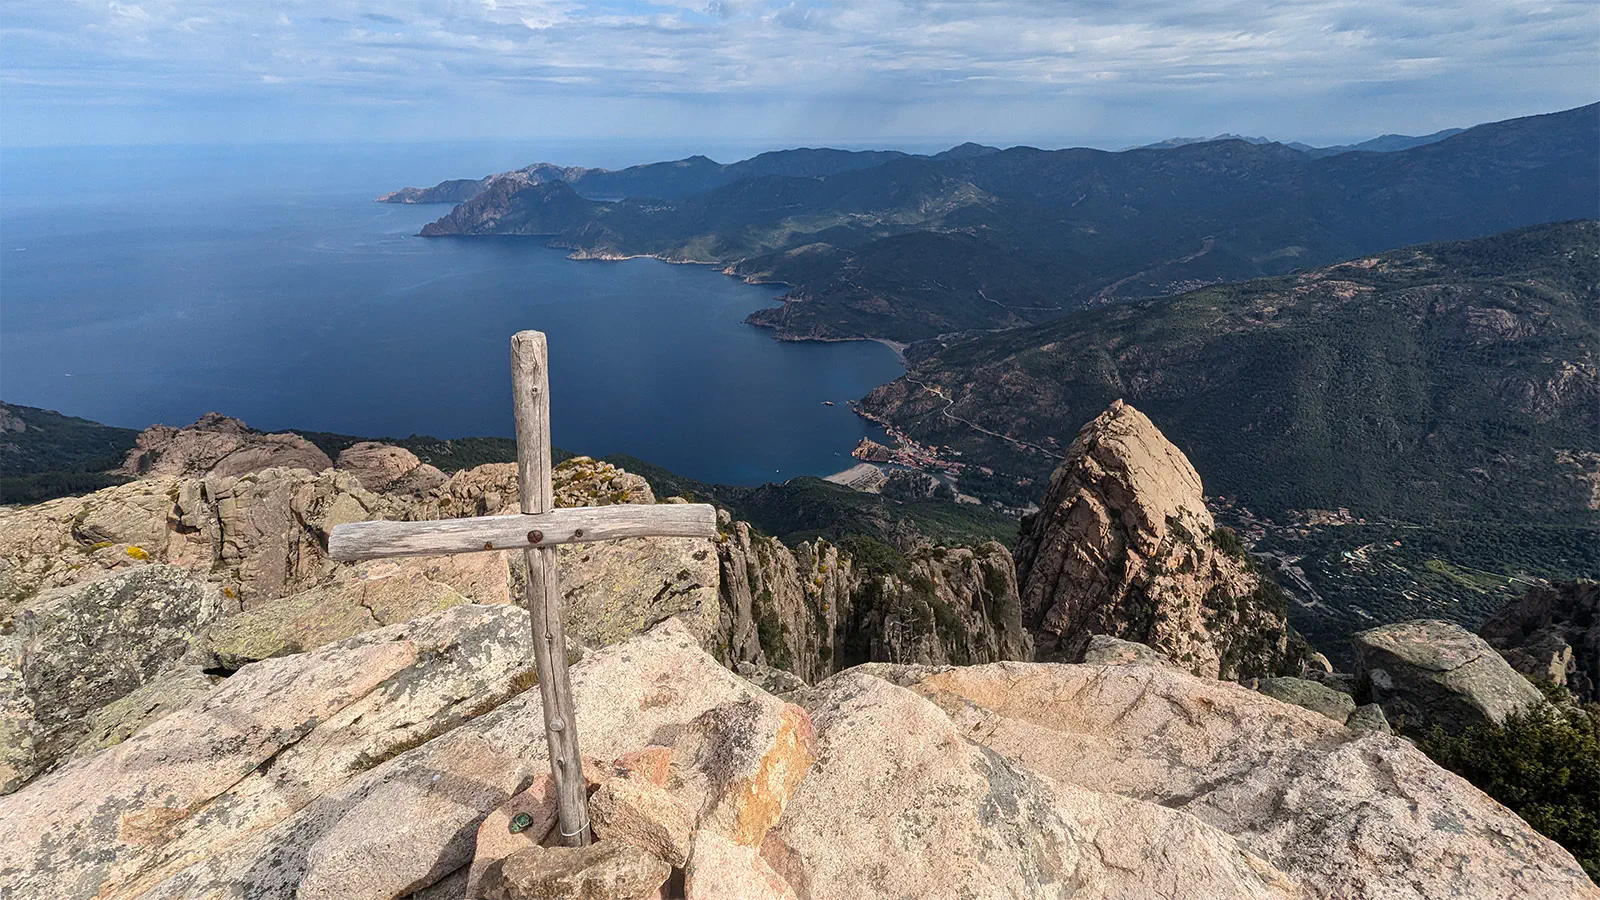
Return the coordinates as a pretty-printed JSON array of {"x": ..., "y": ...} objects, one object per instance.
[{"x": 827, "y": 403}]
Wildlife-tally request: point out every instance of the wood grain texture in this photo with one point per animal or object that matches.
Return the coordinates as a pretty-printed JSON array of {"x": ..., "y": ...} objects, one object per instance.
[
  {"x": 530, "y": 403},
  {"x": 382, "y": 539},
  {"x": 530, "y": 392}
]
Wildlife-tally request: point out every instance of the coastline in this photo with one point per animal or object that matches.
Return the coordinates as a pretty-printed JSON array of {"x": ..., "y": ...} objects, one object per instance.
[
  {"x": 579, "y": 254},
  {"x": 898, "y": 347}
]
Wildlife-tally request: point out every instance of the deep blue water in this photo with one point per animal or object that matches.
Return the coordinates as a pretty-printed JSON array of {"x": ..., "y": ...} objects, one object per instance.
[{"x": 141, "y": 286}]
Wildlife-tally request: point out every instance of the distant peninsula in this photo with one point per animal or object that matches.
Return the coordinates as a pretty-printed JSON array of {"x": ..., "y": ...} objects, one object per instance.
[{"x": 883, "y": 244}]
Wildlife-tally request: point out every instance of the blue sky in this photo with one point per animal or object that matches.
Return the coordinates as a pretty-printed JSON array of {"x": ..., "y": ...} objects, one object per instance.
[{"x": 887, "y": 72}]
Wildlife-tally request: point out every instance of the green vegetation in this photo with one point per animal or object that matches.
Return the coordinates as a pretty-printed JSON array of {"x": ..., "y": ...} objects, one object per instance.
[
  {"x": 1442, "y": 382},
  {"x": 1014, "y": 492},
  {"x": 873, "y": 557},
  {"x": 449, "y": 455},
  {"x": 44, "y": 454},
  {"x": 1225, "y": 539},
  {"x": 769, "y": 634},
  {"x": 804, "y": 509},
  {"x": 26, "y": 489},
  {"x": 1544, "y": 766},
  {"x": 1365, "y": 575}
]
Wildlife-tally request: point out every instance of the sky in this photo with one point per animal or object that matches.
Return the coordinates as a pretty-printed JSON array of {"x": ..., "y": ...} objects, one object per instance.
[{"x": 893, "y": 73}]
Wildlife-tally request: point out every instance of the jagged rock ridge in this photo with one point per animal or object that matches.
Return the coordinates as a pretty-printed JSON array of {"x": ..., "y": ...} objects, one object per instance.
[
  {"x": 814, "y": 610},
  {"x": 1552, "y": 634},
  {"x": 1123, "y": 545}
]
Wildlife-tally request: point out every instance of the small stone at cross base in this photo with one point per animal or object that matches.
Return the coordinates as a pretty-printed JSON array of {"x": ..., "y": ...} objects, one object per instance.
[
  {"x": 604, "y": 870},
  {"x": 496, "y": 840}
]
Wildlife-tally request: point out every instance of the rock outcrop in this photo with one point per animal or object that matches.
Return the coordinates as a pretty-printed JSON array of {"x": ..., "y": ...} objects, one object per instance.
[
  {"x": 70, "y": 651},
  {"x": 253, "y": 547},
  {"x": 1123, "y": 545},
  {"x": 902, "y": 805},
  {"x": 1342, "y": 814},
  {"x": 261, "y": 537},
  {"x": 782, "y": 607},
  {"x": 814, "y": 610},
  {"x": 220, "y": 445},
  {"x": 359, "y": 769},
  {"x": 1553, "y": 634},
  {"x": 391, "y": 763},
  {"x": 1105, "y": 650},
  {"x": 1312, "y": 695},
  {"x": 1427, "y": 673},
  {"x": 383, "y": 468},
  {"x": 321, "y": 615}
]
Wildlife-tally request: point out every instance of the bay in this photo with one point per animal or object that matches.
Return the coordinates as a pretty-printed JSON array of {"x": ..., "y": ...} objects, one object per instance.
[{"x": 152, "y": 285}]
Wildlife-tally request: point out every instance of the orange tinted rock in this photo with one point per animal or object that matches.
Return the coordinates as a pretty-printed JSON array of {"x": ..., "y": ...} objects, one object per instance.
[
  {"x": 743, "y": 761},
  {"x": 644, "y": 814},
  {"x": 720, "y": 869},
  {"x": 654, "y": 764}
]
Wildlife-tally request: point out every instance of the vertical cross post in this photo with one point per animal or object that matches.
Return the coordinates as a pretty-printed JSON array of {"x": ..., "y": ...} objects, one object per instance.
[{"x": 530, "y": 383}]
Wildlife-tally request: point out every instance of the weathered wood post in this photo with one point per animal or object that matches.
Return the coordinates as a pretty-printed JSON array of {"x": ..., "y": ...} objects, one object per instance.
[
  {"x": 536, "y": 532},
  {"x": 530, "y": 385}
]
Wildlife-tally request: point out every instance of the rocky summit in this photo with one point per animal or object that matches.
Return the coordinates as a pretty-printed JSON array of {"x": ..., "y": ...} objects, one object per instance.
[
  {"x": 219, "y": 444},
  {"x": 196, "y": 701},
  {"x": 390, "y": 764},
  {"x": 1123, "y": 545}
]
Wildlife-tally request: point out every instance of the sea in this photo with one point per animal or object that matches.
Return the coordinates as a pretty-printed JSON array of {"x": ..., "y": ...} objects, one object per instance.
[{"x": 153, "y": 284}]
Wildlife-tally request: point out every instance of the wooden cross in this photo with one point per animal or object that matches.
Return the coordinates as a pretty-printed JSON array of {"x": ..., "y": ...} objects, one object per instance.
[{"x": 535, "y": 532}]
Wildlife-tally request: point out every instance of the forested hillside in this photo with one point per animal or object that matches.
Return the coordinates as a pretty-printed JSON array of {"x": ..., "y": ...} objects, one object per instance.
[
  {"x": 1444, "y": 380},
  {"x": 922, "y": 246},
  {"x": 1445, "y": 395}
]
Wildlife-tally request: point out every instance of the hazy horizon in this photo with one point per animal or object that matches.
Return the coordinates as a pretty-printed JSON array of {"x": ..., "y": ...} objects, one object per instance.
[
  {"x": 634, "y": 150},
  {"x": 763, "y": 74}
]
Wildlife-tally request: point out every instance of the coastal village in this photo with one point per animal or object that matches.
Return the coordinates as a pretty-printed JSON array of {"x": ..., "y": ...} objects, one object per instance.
[
  {"x": 879, "y": 462},
  {"x": 906, "y": 452}
]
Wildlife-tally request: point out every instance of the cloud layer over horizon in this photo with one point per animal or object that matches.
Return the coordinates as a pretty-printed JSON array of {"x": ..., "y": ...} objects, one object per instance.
[{"x": 887, "y": 71}]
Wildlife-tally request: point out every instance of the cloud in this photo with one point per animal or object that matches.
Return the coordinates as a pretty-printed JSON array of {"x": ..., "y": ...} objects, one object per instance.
[{"x": 1090, "y": 66}]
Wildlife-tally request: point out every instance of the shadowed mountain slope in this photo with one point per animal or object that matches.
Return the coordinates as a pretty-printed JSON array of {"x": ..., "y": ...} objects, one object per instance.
[
  {"x": 917, "y": 246},
  {"x": 1453, "y": 379}
]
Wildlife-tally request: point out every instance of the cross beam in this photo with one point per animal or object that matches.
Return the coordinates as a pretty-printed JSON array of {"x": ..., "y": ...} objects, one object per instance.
[
  {"x": 536, "y": 532},
  {"x": 572, "y": 525}
]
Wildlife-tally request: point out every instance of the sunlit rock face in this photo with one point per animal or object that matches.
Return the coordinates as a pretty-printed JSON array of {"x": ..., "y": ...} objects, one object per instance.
[{"x": 1123, "y": 545}]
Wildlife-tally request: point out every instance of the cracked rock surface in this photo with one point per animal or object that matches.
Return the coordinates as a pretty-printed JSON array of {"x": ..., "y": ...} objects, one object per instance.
[
  {"x": 1123, "y": 545},
  {"x": 1342, "y": 814},
  {"x": 368, "y": 768},
  {"x": 1427, "y": 673}
]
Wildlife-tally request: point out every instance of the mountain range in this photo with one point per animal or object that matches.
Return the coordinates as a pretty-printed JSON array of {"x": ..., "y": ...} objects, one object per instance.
[
  {"x": 1457, "y": 380},
  {"x": 677, "y": 178},
  {"x": 914, "y": 247},
  {"x": 1383, "y": 143}
]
